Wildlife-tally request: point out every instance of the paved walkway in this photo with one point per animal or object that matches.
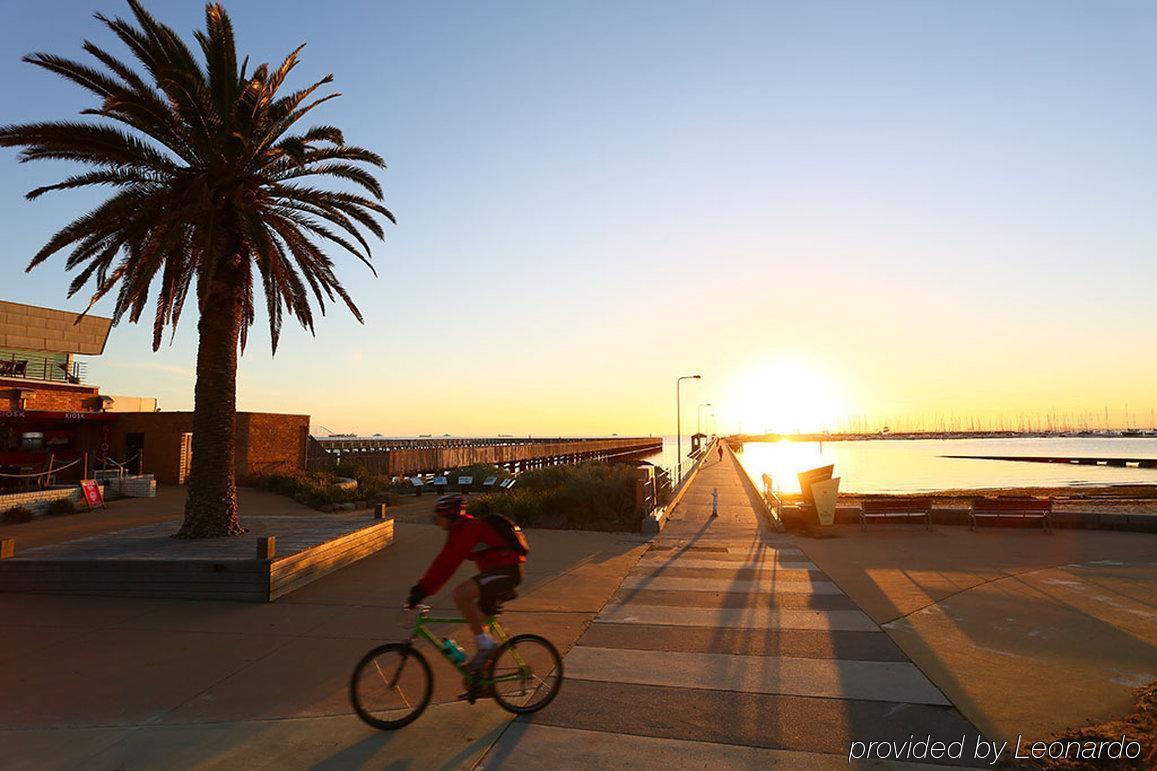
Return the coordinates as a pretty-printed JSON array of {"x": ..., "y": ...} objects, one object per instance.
[
  {"x": 725, "y": 647},
  {"x": 140, "y": 683},
  {"x": 1027, "y": 633}
]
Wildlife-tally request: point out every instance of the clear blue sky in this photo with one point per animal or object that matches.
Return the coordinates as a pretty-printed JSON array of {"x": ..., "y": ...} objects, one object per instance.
[{"x": 576, "y": 183}]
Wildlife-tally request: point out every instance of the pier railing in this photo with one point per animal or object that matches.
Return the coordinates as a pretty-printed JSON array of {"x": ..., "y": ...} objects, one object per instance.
[{"x": 403, "y": 457}]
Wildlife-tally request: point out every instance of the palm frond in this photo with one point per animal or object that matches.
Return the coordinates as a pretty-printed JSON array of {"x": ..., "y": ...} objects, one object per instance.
[
  {"x": 112, "y": 176},
  {"x": 216, "y": 186}
]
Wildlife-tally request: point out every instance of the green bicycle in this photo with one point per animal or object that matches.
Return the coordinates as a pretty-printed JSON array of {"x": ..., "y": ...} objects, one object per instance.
[{"x": 393, "y": 683}]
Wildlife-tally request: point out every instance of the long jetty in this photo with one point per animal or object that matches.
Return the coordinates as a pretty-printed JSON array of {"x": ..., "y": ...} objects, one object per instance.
[
  {"x": 425, "y": 455},
  {"x": 1076, "y": 461}
]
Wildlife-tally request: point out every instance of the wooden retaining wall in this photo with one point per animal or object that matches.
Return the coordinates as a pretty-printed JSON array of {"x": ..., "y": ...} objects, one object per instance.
[{"x": 114, "y": 568}]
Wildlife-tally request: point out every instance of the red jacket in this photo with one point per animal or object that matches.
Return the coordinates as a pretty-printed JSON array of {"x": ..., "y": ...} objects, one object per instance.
[{"x": 470, "y": 539}]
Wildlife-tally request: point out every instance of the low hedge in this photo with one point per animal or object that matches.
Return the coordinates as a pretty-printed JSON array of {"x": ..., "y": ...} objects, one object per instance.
[
  {"x": 62, "y": 506},
  {"x": 16, "y": 515},
  {"x": 589, "y": 496},
  {"x": 480, "y": 471},
  {"x": 317, "y": 489}
]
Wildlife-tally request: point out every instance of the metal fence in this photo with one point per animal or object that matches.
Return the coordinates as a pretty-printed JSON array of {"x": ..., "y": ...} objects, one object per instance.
[{"x": 33, "y": 367}]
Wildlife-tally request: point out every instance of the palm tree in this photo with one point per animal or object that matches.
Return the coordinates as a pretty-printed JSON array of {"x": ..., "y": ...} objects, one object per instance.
[{"x": 210, "y": 189}]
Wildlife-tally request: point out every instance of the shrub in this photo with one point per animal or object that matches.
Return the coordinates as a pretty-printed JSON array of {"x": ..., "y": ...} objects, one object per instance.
[
  {"x": 589, "y": 496},
  {"x": 62, "y": 506},
  {"x": 16, "y": 515},
  {"x": 370, "y": 484},
  {"x": 350, "y": 470},
  {"x": 284, "y": 484},
  {"x": 315, "y": 489}
]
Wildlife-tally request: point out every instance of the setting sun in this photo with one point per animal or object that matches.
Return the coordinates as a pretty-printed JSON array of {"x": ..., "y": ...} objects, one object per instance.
[{"x": 784, "y": 396}]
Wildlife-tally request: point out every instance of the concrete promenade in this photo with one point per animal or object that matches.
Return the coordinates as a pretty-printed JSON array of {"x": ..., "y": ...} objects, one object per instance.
[
  {"x": 724, "y": 646},
  {"x": 1026, "y": 633},
  {"x": 715, "y": 644},
  {"x": 137, "y": 683}
]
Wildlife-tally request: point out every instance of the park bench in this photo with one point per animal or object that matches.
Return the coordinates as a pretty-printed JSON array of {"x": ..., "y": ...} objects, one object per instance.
[
  {"x": 1012, "y": 509},
  {"x": 896, "y": 509}
]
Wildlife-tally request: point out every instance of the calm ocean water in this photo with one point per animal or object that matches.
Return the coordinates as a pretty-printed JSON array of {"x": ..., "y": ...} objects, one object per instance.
[{"x": 916, "y": 465}]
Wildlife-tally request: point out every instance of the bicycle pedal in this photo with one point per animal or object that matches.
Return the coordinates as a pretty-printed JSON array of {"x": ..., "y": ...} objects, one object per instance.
[{"x": 473, "y": 694}]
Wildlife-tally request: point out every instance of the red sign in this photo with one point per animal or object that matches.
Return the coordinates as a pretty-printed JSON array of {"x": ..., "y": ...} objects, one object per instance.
[{"x": 92, "y": 494}]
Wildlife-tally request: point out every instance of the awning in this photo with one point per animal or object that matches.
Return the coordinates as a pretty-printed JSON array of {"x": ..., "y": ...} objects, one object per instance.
[{"x": 43, "y": 415}]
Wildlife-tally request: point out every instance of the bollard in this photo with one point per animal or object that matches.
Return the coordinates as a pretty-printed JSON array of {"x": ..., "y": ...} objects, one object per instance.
[
  {"x": 7, "y": 548},
  {"x": 714, "y": 501},
  {"x": 380, "y": 511},
  {"x": 266, "y": 547}
]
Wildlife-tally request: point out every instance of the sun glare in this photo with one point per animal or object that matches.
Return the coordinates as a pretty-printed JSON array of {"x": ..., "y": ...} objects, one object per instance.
[{"x": 787, "y": 396}]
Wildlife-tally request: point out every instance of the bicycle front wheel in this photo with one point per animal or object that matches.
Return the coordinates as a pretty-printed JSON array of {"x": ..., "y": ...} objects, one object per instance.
[
  {"x": 525, "y": 674},
  {"x": 391, "y": 686}
]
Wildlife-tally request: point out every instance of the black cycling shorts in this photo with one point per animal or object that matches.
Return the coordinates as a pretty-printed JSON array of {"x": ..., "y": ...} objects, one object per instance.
[{"x": 497, "y": 586}]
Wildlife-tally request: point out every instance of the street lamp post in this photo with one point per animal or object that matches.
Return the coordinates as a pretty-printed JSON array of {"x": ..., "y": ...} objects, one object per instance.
[
  {"x": 699, "y": 418},
  {"x": 679, "y": 427}
]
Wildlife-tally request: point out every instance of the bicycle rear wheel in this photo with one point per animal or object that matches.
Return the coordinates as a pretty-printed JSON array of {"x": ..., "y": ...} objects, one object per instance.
[
  {"x": 525, "y": 674},
  {"x": 391, "y": 686}
]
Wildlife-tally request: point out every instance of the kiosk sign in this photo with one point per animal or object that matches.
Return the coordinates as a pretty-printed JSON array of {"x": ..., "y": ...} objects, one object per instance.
[{"x": 92, "y": 494}]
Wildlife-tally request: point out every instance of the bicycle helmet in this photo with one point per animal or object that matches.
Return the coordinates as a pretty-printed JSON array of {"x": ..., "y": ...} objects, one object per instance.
[{"x": 450, "y": 505}]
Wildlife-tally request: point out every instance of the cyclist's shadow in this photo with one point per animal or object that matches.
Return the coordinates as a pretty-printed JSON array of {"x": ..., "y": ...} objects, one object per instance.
[{"x": 367, "y": 752}]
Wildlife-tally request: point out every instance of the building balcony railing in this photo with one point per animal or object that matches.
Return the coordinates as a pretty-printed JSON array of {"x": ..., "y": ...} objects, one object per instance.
[{"x": 42, "y": 368}]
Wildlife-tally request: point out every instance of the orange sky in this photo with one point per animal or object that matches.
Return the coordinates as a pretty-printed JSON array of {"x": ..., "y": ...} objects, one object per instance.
[{"x": 896, "y": 211}]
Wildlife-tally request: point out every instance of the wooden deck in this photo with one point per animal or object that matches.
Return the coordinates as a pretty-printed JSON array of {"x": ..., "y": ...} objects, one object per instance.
[{"x": 146, "y": 562}]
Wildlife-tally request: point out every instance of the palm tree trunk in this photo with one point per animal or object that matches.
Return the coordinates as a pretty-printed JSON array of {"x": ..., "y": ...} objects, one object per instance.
[{"x": 211, "y": 506}]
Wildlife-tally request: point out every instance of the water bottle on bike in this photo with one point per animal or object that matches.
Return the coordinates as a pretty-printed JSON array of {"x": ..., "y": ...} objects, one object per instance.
[{"x": 453, "y": 651}]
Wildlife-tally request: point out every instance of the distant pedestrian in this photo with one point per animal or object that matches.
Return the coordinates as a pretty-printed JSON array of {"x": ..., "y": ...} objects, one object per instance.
[
  {"x": 720, "y": 453},
  {"x": 714, "y": 501}
]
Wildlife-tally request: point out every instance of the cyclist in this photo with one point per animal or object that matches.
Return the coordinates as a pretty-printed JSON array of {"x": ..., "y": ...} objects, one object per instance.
[{"x": 499, "y": 565}]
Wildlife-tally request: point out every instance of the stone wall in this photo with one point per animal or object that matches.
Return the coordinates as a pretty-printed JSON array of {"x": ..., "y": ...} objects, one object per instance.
[
  {"x": 32, "y": 328},
  {"x": 37, "y": 501},
  {"x": 132, "y": 486}
]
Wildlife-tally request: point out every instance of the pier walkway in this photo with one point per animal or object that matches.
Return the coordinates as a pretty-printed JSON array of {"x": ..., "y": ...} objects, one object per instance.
[{"x": 725, "y": 647}]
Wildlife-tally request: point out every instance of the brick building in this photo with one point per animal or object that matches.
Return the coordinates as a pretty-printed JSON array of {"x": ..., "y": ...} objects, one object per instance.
[
  {"x": 163, "y": 443},
  {"x": 50, "y": 417}
]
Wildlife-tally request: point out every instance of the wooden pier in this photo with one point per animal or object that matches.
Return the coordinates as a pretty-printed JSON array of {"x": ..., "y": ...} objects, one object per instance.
[
  {"x": 1075, "y": 461},
  {"x": 402, "y": 457}
]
